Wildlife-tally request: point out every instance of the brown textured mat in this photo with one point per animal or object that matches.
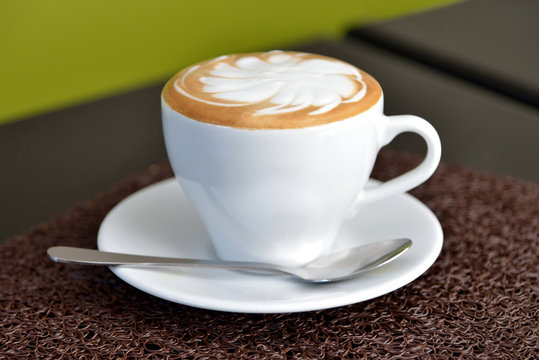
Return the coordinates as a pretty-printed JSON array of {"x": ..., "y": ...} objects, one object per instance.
[{"x": 479, "y": 300}]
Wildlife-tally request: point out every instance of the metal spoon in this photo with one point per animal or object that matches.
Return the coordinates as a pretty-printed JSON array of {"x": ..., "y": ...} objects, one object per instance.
[{"x": 334, "y": 267}]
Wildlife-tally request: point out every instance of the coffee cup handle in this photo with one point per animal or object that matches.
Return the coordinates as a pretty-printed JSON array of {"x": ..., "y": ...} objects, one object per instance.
[{"x": 392, "y": 126}]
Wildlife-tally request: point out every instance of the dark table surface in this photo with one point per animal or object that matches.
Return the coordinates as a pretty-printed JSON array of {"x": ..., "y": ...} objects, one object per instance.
[
  {"x": 492, "y": 43},
  {"x": 50, "y": 162},
  {"x": 478, "y": 300}
]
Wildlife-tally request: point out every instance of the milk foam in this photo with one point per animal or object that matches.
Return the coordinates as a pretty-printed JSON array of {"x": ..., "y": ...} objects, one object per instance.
[
  {"x": 284, "y": 82},
  {"x": 271, "y": 90}
]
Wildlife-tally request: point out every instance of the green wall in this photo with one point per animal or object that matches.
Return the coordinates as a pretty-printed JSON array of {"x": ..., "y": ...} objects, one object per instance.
[{"x": 56, "y": 53}]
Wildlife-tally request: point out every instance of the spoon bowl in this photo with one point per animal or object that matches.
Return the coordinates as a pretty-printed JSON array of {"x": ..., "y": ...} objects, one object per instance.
[{"x": 337, "y": 266}]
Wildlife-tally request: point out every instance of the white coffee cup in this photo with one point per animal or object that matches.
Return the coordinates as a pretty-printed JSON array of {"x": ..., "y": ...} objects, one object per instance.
[{"x": 281, "y": 195}]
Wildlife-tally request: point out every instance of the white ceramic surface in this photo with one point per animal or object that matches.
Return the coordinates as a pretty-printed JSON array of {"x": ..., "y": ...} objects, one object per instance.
[
  {"x": 281, "y": 195},
  {"x": 159, "y": 220}
]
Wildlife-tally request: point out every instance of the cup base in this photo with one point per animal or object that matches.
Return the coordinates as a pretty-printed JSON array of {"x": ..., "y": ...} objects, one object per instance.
[{"x": 289, "y": 258}]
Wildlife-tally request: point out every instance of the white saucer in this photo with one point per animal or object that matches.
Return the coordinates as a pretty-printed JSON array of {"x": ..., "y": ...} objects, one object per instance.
[{"x": 158, "y": 220}]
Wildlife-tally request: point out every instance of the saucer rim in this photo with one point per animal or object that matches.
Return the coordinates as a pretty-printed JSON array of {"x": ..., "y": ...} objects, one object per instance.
[{"x": 290, "y": 305}]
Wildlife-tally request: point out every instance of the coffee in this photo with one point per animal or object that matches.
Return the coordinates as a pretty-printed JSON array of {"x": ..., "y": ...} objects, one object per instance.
[
  {"x": 280, "y": 196},
  {"x": 271, "y": 90}
]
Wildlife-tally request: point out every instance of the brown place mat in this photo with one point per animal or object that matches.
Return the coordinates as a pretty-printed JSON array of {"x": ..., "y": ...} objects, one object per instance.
[{"x": 478, "y": 300}]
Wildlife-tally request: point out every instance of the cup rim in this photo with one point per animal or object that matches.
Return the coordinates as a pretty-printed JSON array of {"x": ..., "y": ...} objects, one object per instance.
[{"x": 377, "y": 107}]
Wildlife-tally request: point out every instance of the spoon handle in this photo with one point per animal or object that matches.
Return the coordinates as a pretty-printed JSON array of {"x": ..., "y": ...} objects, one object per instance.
[{"x": 75, "y": 255}]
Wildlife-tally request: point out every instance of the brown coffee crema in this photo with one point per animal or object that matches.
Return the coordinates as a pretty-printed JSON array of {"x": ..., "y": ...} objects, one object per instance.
[{"x": 271, "y": 90}]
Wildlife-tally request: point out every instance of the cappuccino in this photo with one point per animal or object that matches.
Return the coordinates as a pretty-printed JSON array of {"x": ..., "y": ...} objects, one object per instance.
[
  {"x": 257, "y": 145},
  {"x": 271, "y": 90}
]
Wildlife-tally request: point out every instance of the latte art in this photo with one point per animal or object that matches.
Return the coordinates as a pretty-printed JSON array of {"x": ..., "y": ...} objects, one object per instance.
[
  {"x": 289, "y": 82},
  {"x": 271, "y": 90}
]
